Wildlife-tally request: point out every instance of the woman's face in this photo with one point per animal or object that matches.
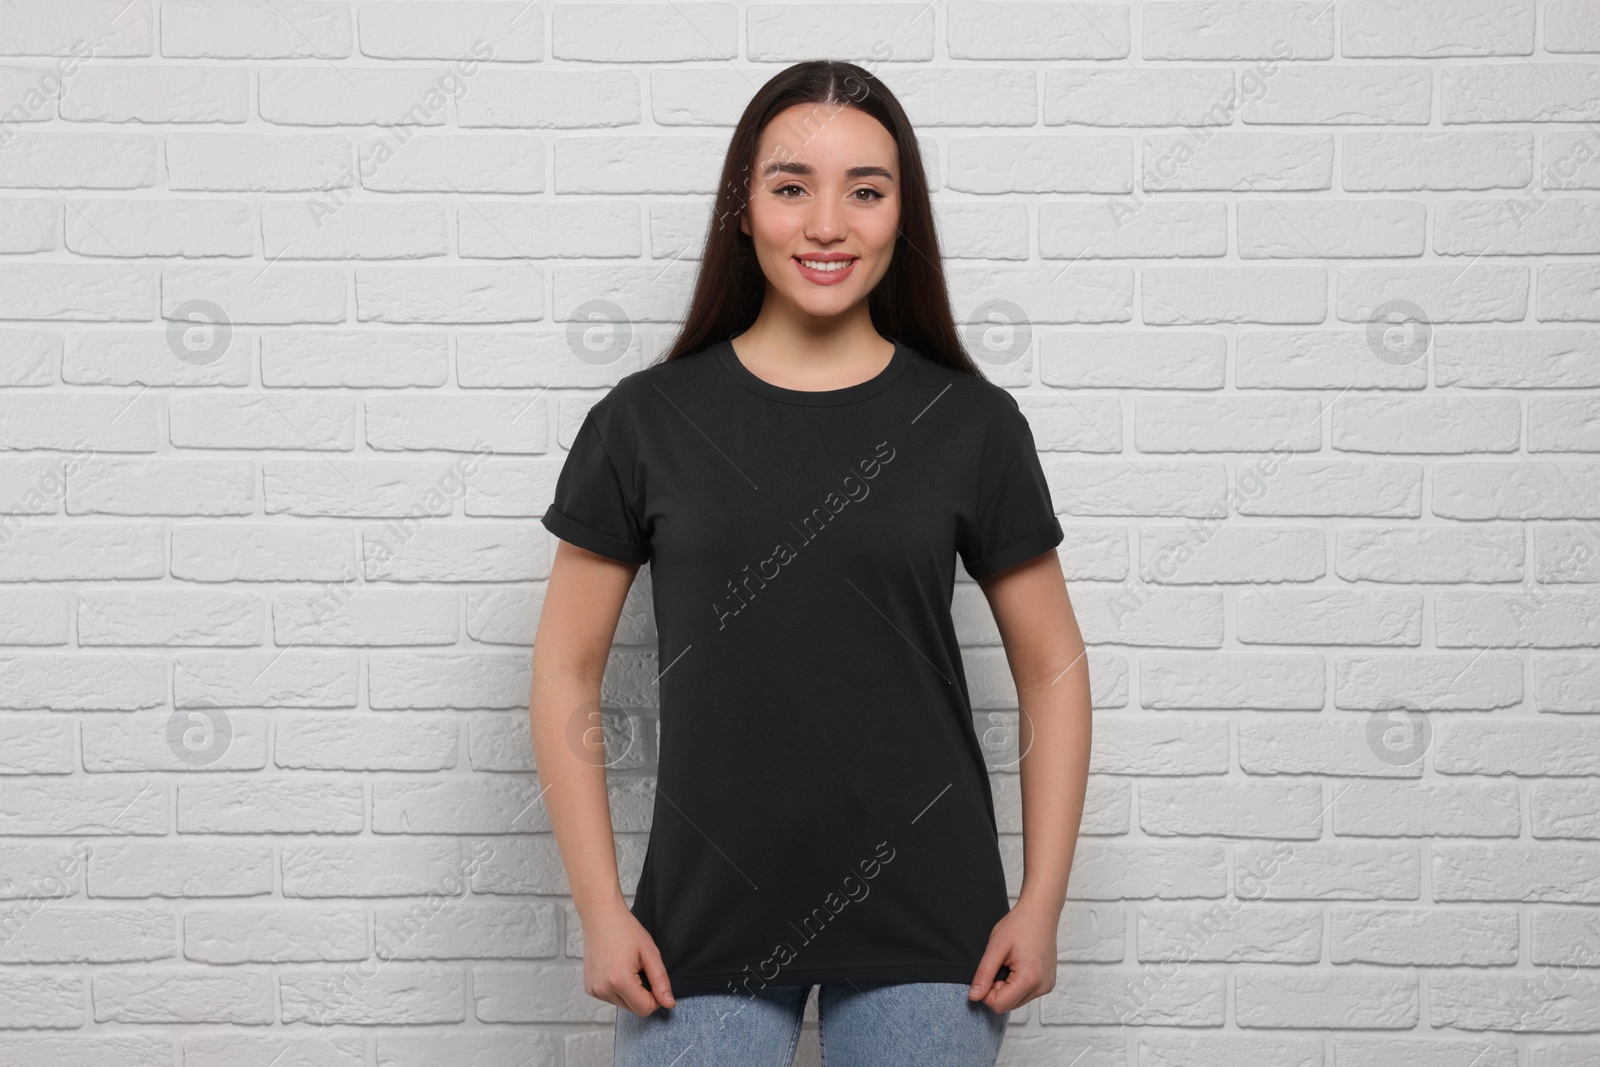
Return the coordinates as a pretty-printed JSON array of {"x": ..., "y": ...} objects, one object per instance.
[{"x": 824, "y": 206}]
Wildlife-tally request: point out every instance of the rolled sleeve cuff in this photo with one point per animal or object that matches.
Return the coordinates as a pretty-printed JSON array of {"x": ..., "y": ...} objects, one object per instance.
[
  {"x": 1033, "y": 545},
  {"x": 571, "y": 530}
]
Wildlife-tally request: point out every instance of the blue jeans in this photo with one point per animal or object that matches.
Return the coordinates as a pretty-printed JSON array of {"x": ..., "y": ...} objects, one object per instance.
[{"x": 860, "y": 1024}]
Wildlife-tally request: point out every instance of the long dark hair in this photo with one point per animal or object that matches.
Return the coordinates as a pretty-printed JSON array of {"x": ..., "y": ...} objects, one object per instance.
[{"x": 909, "y": 304}]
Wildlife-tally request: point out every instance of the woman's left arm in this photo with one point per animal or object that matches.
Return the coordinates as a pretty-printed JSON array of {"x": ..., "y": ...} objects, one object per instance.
[{"x": 1051, "y": 669}]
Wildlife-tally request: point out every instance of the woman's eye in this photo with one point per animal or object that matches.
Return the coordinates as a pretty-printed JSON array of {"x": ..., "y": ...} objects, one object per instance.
[
  {"x": 868, "y": 189},
  {"x": 782, "y": 189}
]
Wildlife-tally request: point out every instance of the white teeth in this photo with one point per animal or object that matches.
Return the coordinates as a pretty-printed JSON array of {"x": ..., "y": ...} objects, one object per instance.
[{"x": 838, "y": 264}]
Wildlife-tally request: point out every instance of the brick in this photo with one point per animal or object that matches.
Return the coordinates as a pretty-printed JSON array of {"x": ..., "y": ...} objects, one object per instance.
[
  {"x": 450, "y": 928},
  {"x": 169, "y": 617},
  {"x": 1328, "y": 871},
  {"x": 1232, "y": 932},
  {"x": 187, "y": 228},
  {"x": 262, "y": 421},
  {"x": 1038, "y": 31},
  {"x": 362, "y": 868},
  {"x": 94, "y": 935},
  {"x": 495, "y": 805},
  {"x": 1237, "y": 809},
  {"x": 264, "y": 1049},
  {"x": 620, "y": 33},
  {"x": 1161, "y": 746},
  {"x": 363, "y": 358},
  {"x": 1564, "y": 809},
  {"x": 1216, "y": 424},
  {"x": 1028, "y": 164},
  {"x": 36, "y": 745},
  {"x": 163, "y": 487},
  {"x": 146, "y": 357},
  {"x": 1361, "y": 999},
  {"x": 258, "y": 162},
  {"x": 1241, "y": 29},
  {"x": 1173, "y": 489},
  {"x": 1322, "y": 359},
  {"x": 1426, "y": 424},
  {"x": 430, "y": 30},
  {"x": 1519, "y": 92},
  {"x": 1437, "y": 28},
  {"x": 1442, "y": 682},
  {"x": 1567, "y": 683},
  {"x": 258, "y": 805},
  {"x": 1540, "y": 619},
  {"x": 1479, "y": 293},
  {"x": 41, "y": 1001},
  {"x": 395, "y": 995},
  {"x": 94, "y": 682},
  {"x": 275, "y": 934},
  {"x": 1186, "y": 296},
  {"x": 88, "y": 1050},
  {"x": 181, "y": 869},
  {"x": 84, "y": 807},
  {"x": 1516, "y": 227},
  {"x": 1331, "y": 617},
  {"x": 533, "y": 993},
  {"x": 1330, "y": 229},
  {"x": 1568, "y": 28},
  {"x": 1530, "y": 489},
  {"x": 281, "y": 679},
  {"x": 1395, "y": 162},
  {"x": 1526, "y": 748},
  {"x": 1562, "y": 424},
  {"x": 1413, "y": 936},
  {"x": 1194, "y": 996},
  {"x": 1428, "y": 554},
  {"x": 1289, "y": 681},
  {"x": 1516, "y": 359},
  {"x": 1427, "y": 809},
  {"x": 1244, "y": 162},
  {"x": 235, "y": 997},
  {"x": 1184, "y": 359},
  {"x": 1329, "y": 95},
  {"x": 355, "y": 742},
  {"x": 1335, "y": 488},
  {"x": 1505, "y": 1002},
  {"x": 257, "y": 29},
  {"x": 456, "y": 680},
  {"x": 226, "y": 552},
  {"x": 296, "y": 294},
  {"x": 1564, "y": 874},
  {"x": 1288, "y": 745},
  {"x": 366, "y": 615}
]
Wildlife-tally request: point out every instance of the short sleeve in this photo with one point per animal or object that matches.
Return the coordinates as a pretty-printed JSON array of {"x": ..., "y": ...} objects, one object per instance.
[
  {"x": 1015, "y": 518},
  {"x": 592, "y": 507}
]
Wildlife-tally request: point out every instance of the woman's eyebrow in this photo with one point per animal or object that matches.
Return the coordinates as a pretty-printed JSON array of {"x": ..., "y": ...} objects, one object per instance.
[{"x": 805, "y": 169}]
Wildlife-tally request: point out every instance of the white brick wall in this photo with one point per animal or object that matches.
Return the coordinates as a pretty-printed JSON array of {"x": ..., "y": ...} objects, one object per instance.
[{"x": 265, "y": 784}]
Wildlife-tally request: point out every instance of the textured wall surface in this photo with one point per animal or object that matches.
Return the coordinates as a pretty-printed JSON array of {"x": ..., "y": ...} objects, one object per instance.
[{"x": 302, "y": 300}]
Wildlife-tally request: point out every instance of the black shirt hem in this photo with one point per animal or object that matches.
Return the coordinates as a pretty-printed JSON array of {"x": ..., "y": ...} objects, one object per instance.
[{"x": 690, "y": 985}]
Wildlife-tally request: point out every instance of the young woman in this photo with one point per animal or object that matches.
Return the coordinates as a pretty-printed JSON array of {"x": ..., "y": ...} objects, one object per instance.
[{"x": 801, "y": 470}]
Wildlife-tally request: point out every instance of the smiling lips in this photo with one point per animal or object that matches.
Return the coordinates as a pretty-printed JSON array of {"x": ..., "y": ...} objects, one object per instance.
[{"x": 828, "y": 268}]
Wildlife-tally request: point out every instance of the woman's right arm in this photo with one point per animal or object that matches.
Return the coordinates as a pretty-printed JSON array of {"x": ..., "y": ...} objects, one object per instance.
[{"x": 582, "y": 603}]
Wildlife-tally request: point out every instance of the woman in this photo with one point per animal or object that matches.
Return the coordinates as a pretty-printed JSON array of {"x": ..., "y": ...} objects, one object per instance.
[{"x": 801, "y": 470}]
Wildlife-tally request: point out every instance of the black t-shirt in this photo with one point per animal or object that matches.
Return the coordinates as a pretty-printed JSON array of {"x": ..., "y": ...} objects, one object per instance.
[{"x": 822, "y": 809}]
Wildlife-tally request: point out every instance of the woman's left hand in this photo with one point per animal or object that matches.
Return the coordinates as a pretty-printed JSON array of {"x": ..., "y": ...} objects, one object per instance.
[{"x": 1025, "y": 942}]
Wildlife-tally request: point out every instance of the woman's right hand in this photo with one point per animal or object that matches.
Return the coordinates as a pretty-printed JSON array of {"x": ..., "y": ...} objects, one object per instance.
[{"x": 616, "y": 947}]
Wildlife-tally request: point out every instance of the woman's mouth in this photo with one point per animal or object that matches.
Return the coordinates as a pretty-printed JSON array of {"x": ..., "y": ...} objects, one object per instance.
[{"x": 825, "y": 271}]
